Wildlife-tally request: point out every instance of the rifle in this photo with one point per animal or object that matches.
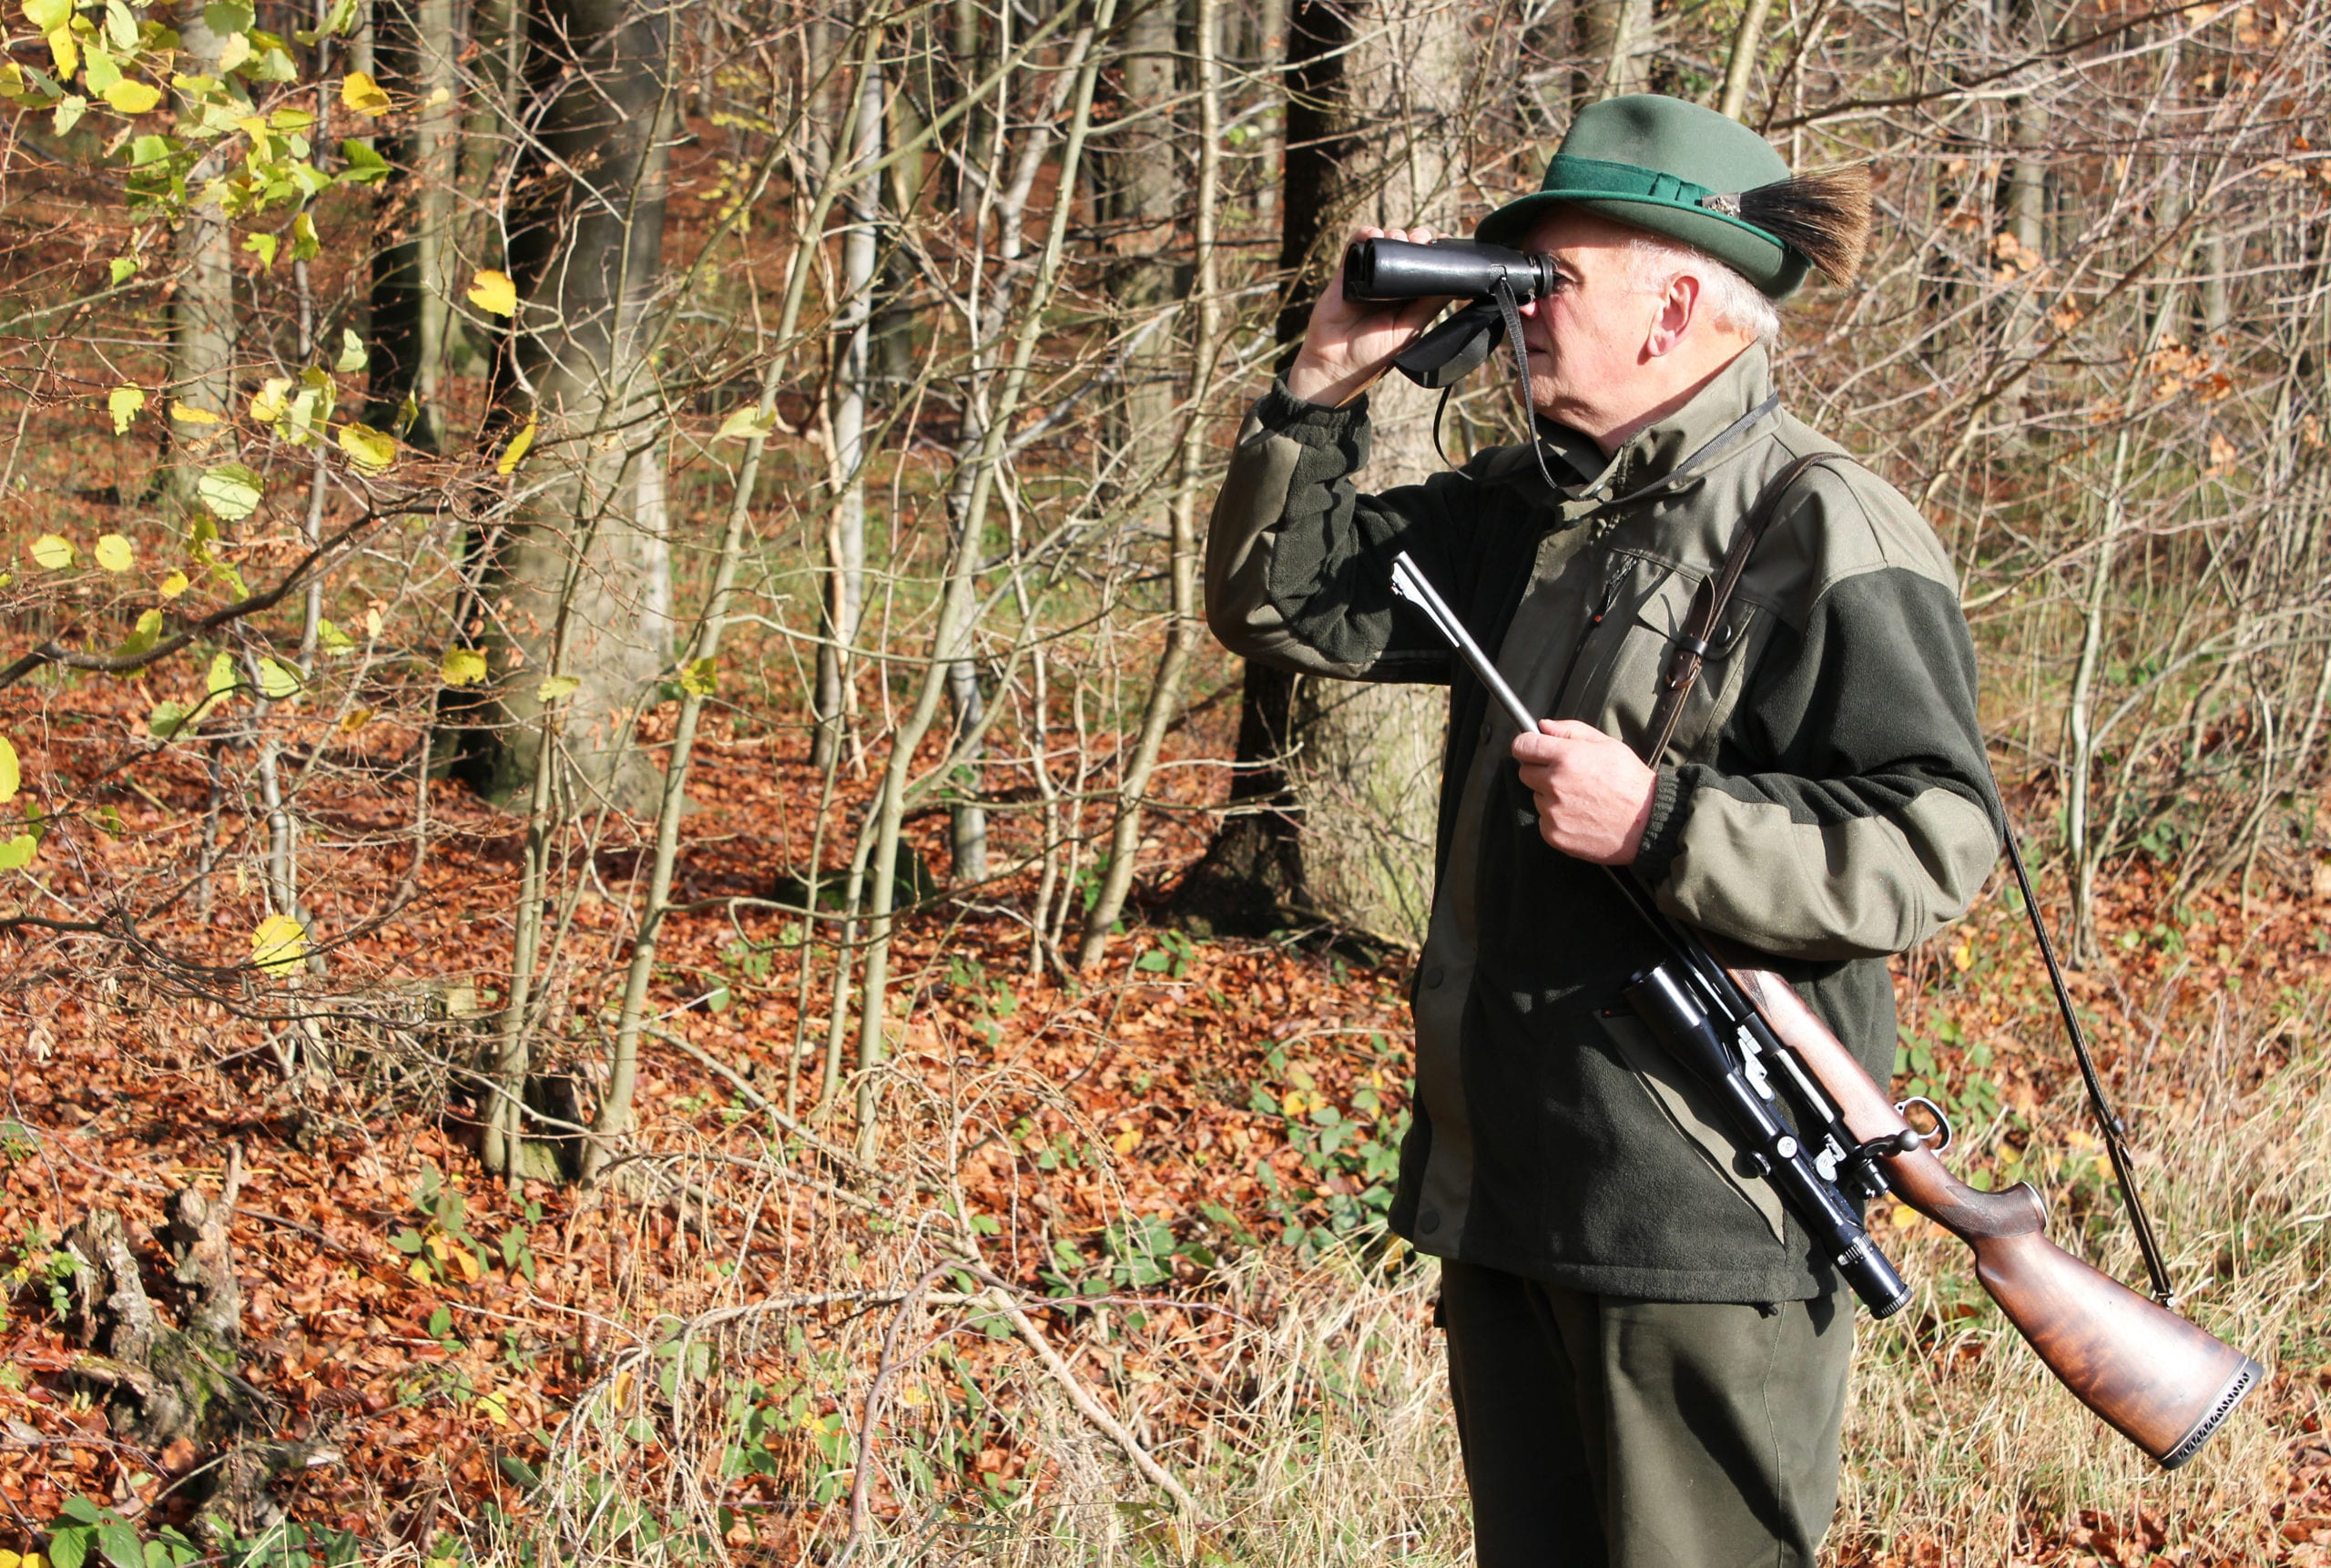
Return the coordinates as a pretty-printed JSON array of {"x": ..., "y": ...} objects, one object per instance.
[{"x": 2159, "y": 1381}]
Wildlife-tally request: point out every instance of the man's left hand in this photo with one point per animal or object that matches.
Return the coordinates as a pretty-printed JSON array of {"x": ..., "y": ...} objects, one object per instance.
[{"x": 1594, "y": 794}]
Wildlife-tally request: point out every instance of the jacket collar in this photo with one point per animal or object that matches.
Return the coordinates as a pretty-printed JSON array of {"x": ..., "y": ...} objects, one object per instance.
[{"x": 1658, "y": 449}]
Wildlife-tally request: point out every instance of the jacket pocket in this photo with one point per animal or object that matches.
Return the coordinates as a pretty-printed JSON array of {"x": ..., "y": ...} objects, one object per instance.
[
  {"x": 1619, "y": 686},
  {"x": 1688, "y": 1107}
]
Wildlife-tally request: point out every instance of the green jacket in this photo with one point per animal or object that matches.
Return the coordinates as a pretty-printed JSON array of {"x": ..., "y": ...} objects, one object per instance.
[{"x": 1825, "y": 799}]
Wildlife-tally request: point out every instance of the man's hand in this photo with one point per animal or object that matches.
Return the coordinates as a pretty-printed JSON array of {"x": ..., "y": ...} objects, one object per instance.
[
  {"x": 1594, "y": 794},
  {"x": 1348, "y": 344}
]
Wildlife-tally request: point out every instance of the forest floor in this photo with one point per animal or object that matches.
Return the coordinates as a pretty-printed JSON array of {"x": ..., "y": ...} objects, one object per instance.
[{"x": 1179, "y": 1169}]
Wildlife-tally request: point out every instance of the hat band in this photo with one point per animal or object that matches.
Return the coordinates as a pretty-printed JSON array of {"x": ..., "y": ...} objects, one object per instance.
[{"x": 1577, "y": 178}]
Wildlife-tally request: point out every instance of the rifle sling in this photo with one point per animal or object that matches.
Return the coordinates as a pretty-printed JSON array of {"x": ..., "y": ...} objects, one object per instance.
[{"x": 1709, "y": 601}]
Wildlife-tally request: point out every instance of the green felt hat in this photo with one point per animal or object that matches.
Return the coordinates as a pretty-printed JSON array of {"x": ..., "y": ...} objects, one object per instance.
[{"x": 1672, "y": 167}]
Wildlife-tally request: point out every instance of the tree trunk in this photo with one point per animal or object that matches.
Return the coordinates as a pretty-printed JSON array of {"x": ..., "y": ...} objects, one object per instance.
[
  {"x": 845, "y": 589},
  {"x": 1144, "y": 186},
  {"x": 202, "y": 310},
  {"x": 1340, "y": 781},
  {"x": 412, "y": 275},
  {"x": 566, "y": 586},
  {"x": 1617, "y": 41}
]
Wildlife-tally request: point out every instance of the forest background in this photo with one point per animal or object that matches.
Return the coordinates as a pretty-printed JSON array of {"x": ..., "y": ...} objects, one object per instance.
[{"x": 639, "y": 925}]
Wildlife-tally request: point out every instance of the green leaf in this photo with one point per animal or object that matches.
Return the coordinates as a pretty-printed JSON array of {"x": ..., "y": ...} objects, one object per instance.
[
  {"x": 352, "y": 357},
  {"x": 462, "y": 666},
  {"x": 104, "y": 72},
  {"x": 70, "y": 110},
  {"x": 279, "y": 943},
  {"x": 333, "y": 639},
  {"x": 147, "y": 633},
  {"x": 15, "y": 856},
  {"x": 121, "y": 28},
  {"x": 68, "y": 1548},
  {"x": 222, "y": 676},
  {"x": 124, "y": 402},
  {"x": 231, "y": 490},
  {"x": 556, "y": 687},
  {"x": 12, "y": 776},
  {"x": 263, "y": 247},
  {"x": 364, "y": 165},
  {"x": 47, "y": 16},
  {"x": 305, "y": 246},
  {"x": 700, "y": 677},
  {"x": 275, "y": 682},
  {"x": 121, "y": 267},
  {"x": 118, "y": 1541},
  {"x": 167, "y": 720},
  {"x": 224, "y": 16}
]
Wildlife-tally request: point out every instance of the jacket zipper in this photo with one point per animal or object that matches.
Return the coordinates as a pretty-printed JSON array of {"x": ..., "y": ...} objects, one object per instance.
[{"x": 1602, "y": 608}]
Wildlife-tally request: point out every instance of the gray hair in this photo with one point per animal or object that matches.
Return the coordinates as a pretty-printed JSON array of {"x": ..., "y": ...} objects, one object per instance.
[{"x": 1653, "y": 261}]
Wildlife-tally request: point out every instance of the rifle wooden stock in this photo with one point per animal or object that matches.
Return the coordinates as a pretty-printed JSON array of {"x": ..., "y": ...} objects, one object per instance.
[{"x": 2160, "y": 1381}]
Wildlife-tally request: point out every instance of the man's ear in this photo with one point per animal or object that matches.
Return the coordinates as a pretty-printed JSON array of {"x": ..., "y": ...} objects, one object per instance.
[{"x": 1677, "y": 309}]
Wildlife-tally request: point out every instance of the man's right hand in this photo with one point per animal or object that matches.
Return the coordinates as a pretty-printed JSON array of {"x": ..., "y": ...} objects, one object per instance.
[{"x": 1348, "y": 344}]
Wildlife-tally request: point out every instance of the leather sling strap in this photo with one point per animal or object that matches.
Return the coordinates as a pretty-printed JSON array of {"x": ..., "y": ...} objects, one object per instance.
[{"x": 1709, "y": 601}]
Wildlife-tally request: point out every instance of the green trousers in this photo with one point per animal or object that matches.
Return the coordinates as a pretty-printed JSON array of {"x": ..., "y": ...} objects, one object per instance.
[{"x": 1603, "y": 1431}]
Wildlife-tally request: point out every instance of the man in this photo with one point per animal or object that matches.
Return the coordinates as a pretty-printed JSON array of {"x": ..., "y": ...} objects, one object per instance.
[{"x": 1648, "y": 1359}]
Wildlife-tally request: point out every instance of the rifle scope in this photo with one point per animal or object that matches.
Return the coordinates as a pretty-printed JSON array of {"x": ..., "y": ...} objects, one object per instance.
[
  {"x": 1674, "y": 1015},
  {"x": 1384, "y": 270}
]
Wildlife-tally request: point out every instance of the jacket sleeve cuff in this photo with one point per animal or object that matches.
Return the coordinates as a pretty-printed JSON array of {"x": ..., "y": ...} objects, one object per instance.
[
  {"x": 1663, "y": 835},
  {"x": 1281, "y": 412}
]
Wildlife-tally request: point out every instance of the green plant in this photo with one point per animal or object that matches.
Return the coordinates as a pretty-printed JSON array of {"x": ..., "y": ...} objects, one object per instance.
[{"x": 1171, "y": 957}]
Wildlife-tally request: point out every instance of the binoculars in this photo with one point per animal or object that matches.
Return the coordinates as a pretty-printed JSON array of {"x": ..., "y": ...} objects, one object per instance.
[{"x": 1376, "y": 270}]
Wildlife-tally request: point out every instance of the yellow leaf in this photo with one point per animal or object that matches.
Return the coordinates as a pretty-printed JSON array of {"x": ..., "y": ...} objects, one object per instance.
[
  {"x": 174, "y": 585},
  {"x": 359, "y": 92},
  {"x": 222, "y": 677},
  {"x": 1124, "y": 1142},
  {"x": 234, "y": 52},
  {"x": 551, "y": 690},
  {"x": 357, "y": 720},
  {"x": 48, "y": 14},
  {"x": 51, "y": 552},
  {"x": 279, "y": 945},
  {"x": 11, "y": 775},
  {"x": 462, "y": 666},
  {"x": 269, "y": 402},
  {"x": 132, "y": 96},
  {"x": 113, "y": 554},
  {"x": 1962, "y": 957},
  {"x": 63, "y": 48},
  {"x": 18, "y": 852},
  {"x": 123, "y": 403},
  {"x": 742, "y": 426},
  {"x": 511, "y": 453},
  {"x": 493, "y": 292},
  {"x": 370, "y": 450},
  {"x": 187, "y": 414},
  {"x": 466, "y": 1261},
  {"x": 700, "y": 677}
]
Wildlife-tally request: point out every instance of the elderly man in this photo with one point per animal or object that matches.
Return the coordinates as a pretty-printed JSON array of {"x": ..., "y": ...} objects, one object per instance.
[{"x": 1648, "y": 1360}]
